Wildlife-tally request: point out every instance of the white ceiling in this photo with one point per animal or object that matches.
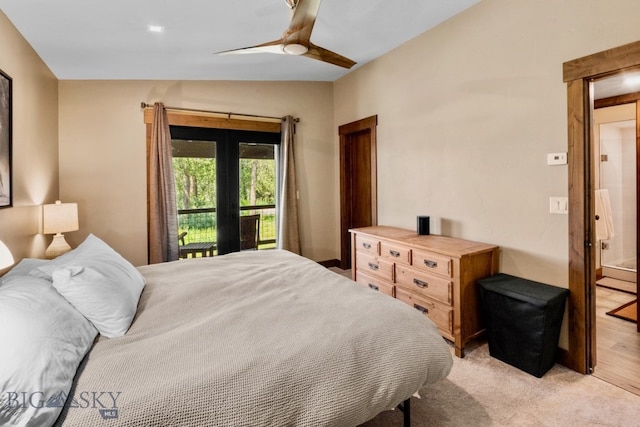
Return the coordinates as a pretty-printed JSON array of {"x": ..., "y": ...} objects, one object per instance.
[
  {"x": 108, "y": 39},
  {"x": 618, "y": 84},
  {"x": 97, "y": 39}
]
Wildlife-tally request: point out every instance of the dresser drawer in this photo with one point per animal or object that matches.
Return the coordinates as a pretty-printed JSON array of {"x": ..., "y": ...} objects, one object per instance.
[
  {"x": 432, "y": 262},
  {"x": 376, "y": 284},
  {"x": 425, "y": 284},
  {"x": 367, "y": 244},
  {"x": 374, "y": 266},
  {"x": 396, "y": 253},
  {"x": 440, "y": 314}
]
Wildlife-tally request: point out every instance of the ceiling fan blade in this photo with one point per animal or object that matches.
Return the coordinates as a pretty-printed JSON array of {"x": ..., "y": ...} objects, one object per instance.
[
  {"x": 324, "y": 55},
  {"x": 269, "y": 47},
  {"x": 296, "y": 38},
  {"x": 302, "y": 21}
]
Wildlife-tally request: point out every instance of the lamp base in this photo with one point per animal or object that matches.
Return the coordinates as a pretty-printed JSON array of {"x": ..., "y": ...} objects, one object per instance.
[{"x": 57, "y": 247}]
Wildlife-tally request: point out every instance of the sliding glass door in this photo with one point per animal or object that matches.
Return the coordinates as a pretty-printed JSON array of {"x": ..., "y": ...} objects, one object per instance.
[{"x": 222, "y": 176}]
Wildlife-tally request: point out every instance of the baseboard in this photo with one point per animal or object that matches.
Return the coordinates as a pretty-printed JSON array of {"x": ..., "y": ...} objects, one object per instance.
[
  {"x": 562, "y": 357},
  {"x": 619, "y": 273},
  {"x": 330, "y": 263}
]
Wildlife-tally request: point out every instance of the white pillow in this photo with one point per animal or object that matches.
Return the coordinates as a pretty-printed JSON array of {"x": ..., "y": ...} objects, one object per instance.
[
  {"x": 110, "y": 304},
  {"x": 99, "y": 283},
  {"x": 43, "y": 341},
  {"x": 23, "y": 268}
]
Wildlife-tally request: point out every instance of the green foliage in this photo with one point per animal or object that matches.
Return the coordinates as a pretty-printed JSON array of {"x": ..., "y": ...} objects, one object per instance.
[
  {"x": 265, "y": 182},
  {"x": 195, "y": 182},
  {"x": 197, "y": 221}
]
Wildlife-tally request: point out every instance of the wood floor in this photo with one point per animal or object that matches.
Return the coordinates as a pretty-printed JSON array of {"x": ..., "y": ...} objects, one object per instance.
[{"x": 617, "y": 342}]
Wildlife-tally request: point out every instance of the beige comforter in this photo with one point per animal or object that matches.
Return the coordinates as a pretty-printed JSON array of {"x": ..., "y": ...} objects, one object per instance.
[{"x": 263, "y": 338}]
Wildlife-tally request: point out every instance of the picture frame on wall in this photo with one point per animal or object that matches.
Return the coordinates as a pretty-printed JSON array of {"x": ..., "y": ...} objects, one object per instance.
[{"x": 6, "y": 122}]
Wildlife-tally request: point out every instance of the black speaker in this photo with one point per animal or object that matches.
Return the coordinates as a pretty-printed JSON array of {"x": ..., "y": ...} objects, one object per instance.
[{"x": 423, "y": 225}]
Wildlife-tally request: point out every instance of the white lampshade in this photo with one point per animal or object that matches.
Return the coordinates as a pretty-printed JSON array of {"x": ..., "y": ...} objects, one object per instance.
[
  {"x": 59, "y": 218},
  {"x": 6, "y": 259}
]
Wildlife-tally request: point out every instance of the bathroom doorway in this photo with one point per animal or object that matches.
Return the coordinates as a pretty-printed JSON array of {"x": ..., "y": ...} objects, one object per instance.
[
  {"x": 581, "y": 75},
  {"x": 616, "y": 191},
  {"x": 615, "y": 183}
]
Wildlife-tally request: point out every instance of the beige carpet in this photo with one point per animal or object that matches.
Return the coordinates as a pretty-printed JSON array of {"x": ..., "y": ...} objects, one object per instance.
[{"x": 483, "y": 391}]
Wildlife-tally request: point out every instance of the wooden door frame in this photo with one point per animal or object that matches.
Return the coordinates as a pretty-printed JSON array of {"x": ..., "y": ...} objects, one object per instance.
[
  {"x": 344, "y": 131},
  {"x": 579, "y": 75}
]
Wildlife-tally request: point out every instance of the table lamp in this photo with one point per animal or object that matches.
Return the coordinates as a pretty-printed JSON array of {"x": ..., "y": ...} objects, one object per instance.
[
  {"x": 6, "y": 259},
  {"x": 59, "y": 218}
]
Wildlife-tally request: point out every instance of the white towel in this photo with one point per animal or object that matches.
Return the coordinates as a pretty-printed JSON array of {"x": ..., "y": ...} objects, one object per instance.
[{"x": 604, "y": 225}]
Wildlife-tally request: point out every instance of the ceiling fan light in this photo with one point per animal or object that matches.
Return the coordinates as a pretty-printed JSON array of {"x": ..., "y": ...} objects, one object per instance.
[{"x": 295, "y": 49}]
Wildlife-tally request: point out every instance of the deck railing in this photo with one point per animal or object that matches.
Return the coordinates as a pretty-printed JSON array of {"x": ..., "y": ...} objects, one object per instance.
[{"x": 201, "y": 224}]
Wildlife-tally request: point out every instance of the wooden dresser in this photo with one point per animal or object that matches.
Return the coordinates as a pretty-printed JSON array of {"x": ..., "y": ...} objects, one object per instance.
[{"x": 434, "y": 274}]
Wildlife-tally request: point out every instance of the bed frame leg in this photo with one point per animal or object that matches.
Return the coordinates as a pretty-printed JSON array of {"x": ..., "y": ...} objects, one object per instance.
[{"x": 405, "y": 407}]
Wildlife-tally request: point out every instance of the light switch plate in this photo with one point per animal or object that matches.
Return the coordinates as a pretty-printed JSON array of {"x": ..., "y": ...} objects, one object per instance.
[
  {"x": 559, "y": 205},
  {"x": 557, "y": 158}
]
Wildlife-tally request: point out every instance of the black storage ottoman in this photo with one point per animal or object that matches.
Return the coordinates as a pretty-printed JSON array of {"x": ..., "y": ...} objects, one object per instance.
[{"x": 523, "y": 320}]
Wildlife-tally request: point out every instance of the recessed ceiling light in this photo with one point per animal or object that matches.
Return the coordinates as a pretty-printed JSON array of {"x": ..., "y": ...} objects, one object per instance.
[{"x": 155, "y": 28}]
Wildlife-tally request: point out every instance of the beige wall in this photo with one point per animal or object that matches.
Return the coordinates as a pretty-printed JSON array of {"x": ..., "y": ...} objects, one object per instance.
[
  {"x": 35, "y": 143},
  {"x": 102, "y": 152},
  {"x": 467, "y": 113}
]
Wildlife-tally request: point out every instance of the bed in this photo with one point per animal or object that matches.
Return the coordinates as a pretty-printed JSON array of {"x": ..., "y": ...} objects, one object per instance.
[{"x": 258, "y": 338}]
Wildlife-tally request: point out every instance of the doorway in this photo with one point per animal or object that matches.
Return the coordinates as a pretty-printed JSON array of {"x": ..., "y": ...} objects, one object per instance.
[
  {"x": 579, "y": 75},
  {"x": 617, "y": 357},
  {"x": 616, "y": 176},
  {"x": 222, "y": 176},
  {"x": 358, "y": 181},
  {"x": 180, "y": 117}
]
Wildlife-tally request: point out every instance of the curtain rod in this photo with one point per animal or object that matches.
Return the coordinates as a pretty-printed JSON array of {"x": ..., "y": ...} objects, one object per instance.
[{"x": 228, "y": 114}]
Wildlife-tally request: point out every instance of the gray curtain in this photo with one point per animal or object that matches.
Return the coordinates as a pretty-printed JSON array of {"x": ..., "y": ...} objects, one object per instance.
[
  {"x": 288, "y": 229},
  {"x": 163, "y": 213}
]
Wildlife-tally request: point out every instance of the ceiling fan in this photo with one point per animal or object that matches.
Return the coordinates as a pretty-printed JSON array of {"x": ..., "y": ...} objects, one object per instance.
[{"x": 296, "y": 38}]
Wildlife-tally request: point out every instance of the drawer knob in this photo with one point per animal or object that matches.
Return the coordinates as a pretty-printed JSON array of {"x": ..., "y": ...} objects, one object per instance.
[
  {"x": 420, "y": 283},
  {"x": 421, "y": 309},
  {"x": 374, "y": 287},
  {"x": 394, "y": 253},
  {"x": 373, "y": 266},
  {"x": 366, "y": 245},
  {"x": 430, "y": 264}
]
